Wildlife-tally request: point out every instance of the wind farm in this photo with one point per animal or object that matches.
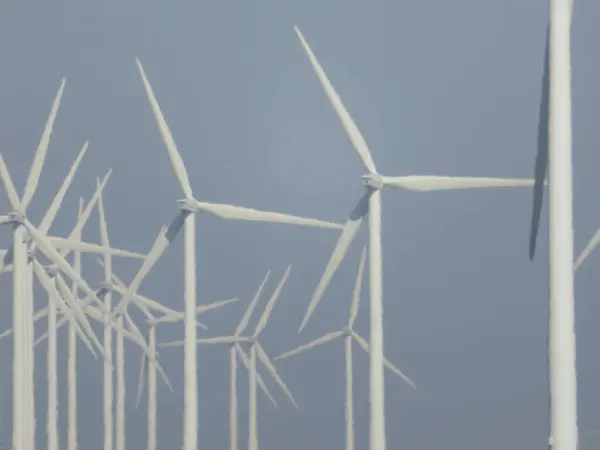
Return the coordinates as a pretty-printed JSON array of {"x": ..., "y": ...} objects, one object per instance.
[{"x": 191, "y": 258}]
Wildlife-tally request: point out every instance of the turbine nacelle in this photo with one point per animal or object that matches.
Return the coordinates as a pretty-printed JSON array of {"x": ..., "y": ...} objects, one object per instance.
[
  {"x": 51, "y": 270},
  {"x": 188, "y": 205},
  {"x": 16, "y": 217},
  {"x": 373, "y": 181}
]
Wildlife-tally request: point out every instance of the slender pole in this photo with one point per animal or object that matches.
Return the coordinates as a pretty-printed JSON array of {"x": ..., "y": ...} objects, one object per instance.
[
  {"x": 233, "y": 432},
  {"x": 108, "y": 370},
  {"x": 52, "y": 420},
  {"x": 72, "y": 388},
  {"x": 376, "y": 380},
  {"x": 120, "y": 403},
  {"x": 19, "y": 365},
  {"x": 562, "y": 353},
  {"x": 72, "y": 436},
  {"x": 190, "y": 424},
  {"x": 349, "y": 395},
  {"x": 30, "y": 356},
  {"x": 152, "y": 391},
  {"x": 252, "y": 416}
]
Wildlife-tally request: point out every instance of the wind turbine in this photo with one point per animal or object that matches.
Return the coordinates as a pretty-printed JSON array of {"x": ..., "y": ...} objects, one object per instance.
[
  {"x": 235, "y": 350},
  {"x": 256, "y": 350},
  {"x": 370, "y": 204},
  {"x": 554, "y": 155},
  {"x": 349, "y": 335},
  {"x": 23, "y": 420},
  {"x": 188, "y": 207}
]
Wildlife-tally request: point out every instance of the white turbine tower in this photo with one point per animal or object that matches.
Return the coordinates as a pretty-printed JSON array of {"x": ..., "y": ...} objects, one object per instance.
[
  {"x": 370, "y": 204},
  {"x": 554, "y": 155},
  {"x": 349, "y": 335},
  {"x": 235, "y": 350},
  {"x": 189, "y": 206}
]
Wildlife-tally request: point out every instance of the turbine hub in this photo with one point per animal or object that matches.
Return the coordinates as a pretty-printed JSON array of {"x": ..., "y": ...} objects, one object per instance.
[
  {"x": 105, "y": 285},
  {"x": 16, "y": 217},
  {"x": 51, "y": 270},
  {"x": 252, "y": 340},
  {"x": 373, "y": 181},
  {"x": 188, "y": 205},
  {"x": 347, "y": 331}
]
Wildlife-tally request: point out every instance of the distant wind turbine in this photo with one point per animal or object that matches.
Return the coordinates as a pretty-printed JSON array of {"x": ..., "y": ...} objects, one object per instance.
[
  {"x": 370, "y": 204},
  {"x": 189, "y": 206},
  {"x": 235, "y": 350},
  {"x": 349, "y": 335}
]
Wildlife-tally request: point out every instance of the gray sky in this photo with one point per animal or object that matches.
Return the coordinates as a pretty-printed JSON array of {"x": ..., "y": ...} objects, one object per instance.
[{"x": 436, "y": 87}]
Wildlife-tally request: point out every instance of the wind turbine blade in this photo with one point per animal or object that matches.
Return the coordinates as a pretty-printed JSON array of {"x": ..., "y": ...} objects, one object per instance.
[
  {"x": 167, "y": 136},
  {"x": 103, "y": 225},
  {"x": 86, "y": 247},
  {"x": 251, "y": 307},
  {"x": 347, "y": 235},
  {"x": 242, "y": 213},
  {"x": 589, "y": 248},
  {"x": 52, "y": 211},
  {"x": 319, "y": 341},
  {"x": 84, "y": 215},
  {"x": 365, "y": 346},
  {"x": 262, "y": 323},
  {"x": 351, "y": 129},
  {"x": 541, "y": 157},
  {"x": 261, "y": 383},
  {"x": 357, "y": 289},
  {"x": 425, "y": 183},
  {"x": 40, "y": 154},
  {"x": 160, "y": 245},
  {"x": 214, "y": 305},
  {"x": 223, "y": 340},
  {"x": 9, "y": 187},
  {"x": 271, "y": 369},
  {"x": 141, "y": 377}
]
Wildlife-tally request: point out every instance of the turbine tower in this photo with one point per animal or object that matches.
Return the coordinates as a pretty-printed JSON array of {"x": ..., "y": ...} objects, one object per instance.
[{"x": 554, "y": 155}]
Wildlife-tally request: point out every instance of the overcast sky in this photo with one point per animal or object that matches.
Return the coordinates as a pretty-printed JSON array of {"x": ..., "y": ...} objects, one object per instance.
[{"x": 437, "y": 87}]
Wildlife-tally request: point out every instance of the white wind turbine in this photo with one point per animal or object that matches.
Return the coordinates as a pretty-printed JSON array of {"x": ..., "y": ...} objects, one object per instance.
[
  {"x": 152, "y": 323},
  {"x": 554, "y": 155},
  {"x": 370, "y": 204},
  {"x": 188, "y": 207},
  {"x": 256, "y": 350},
  {"x": 349, "y": 335},
  {"x": 235, "y": 350},
  {"x": 23, "y": 415}
]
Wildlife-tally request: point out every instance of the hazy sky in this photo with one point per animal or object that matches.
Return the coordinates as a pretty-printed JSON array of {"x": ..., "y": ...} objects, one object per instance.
[{"x": 436, "y": 87}]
